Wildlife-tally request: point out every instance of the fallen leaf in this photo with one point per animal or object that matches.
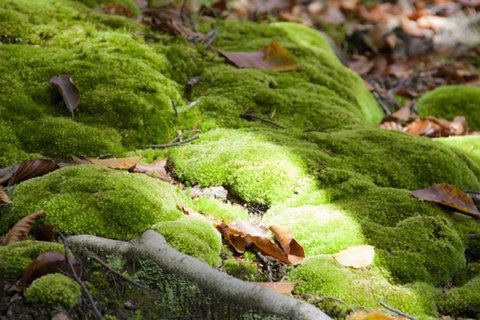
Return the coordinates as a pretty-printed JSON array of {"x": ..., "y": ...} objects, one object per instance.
[
  {"x": 404, "y": 113},
  {"x": 459, "y": 126},
  {"x": 68, "y": 90},
  {"x": 236, "y": 239},
  {"x": 117, "y": 163},
  {"x": 427, "y": 127},
  {"x": 48, "y": 262},
  {"x": 280, "y": 287},
  {"x": 21, "y": 229},
  {"x": 356, "y": 257},
  {"x": 155, "y": 169},
  {"x": 4, "y": 198},
  {"x": 61, "y": 316},
  {"x": 391, "y": 125},
  {"x": 26, "y": 170},
  {"x": 289, "y": 245},
  {"x": 272, "y": 57},
  {"x": 449, "y": 196},
  {"x": 373, "y": 315}
]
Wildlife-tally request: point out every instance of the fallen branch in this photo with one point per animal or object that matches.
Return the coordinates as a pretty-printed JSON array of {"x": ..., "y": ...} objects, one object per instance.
[
  {"x": 400, "y": 313},
  {"x": 178, "y": 140},
  {"x": 153, "y": 245}
]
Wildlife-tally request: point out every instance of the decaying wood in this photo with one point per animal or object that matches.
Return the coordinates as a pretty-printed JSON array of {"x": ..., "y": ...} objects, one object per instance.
[{"x": 153, "y": 245}]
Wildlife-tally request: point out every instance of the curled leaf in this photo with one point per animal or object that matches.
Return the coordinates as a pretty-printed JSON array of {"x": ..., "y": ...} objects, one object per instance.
[
  {"x": 69, "y": 91},
  {"x": 272, "y": 57},
  {"x": 26, "y": 170},
  {"x": 155, "y": 169},
  {"x": 4, "y": 198},
  {"x": 21, "y": 229},
  {"x": 289, "y": 245},
  {"x": 356, "y": 257},
  {"x": 449, "y": 196}
]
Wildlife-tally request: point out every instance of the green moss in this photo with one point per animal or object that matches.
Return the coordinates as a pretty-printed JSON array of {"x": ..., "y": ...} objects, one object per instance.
[
  {"x": 451, "y": 101},
  {"x": 54, "y": 289},
  {"x": 467, "y": 144},
  {"x": 243, "y": 270},
  {"x": 322, "y": 276},
  {"x": 462, "y": 301},
  {"x": 10, "y": 146},
  {"x": 319, "y": 229},
  {"x": 194, "y": 237},
  {"x": 93, "y": 200},
  {"x": 220, "y": 210},
  {"x": 17, "y": 256}
]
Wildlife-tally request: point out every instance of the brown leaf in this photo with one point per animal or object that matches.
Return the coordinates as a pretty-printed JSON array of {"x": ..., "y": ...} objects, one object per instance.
[
  {"x": 117, "y": 163},
  {"x": 48, "y": 262},
  {"x": 459, "y": 126},
  {"x": 373, "y": 315},
  {"x": 292, "y": 249},
  {"x": 236, "y": 239},
  {"x": 280, "y": 287},
  {"x": 404, "y": 113},
  {"x": 21, "y": 229},
  {"x": 449, "y": 196},
  {"x": 391, "y": 125},
  {"x": 68, "y": 90},
  {"x": 273, "y": 57},
  {"x": 26, "y": 170},
  {"x": 4, "y": 198},
  {"x": 427, "y": 127},
  {"x": 61, "y": 316},
  {"x": 356, "y": 257},
  {"x": 155, "y": 169}
]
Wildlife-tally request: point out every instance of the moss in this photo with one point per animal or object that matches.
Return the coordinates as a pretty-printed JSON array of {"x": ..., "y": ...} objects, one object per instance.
[
  {"x": 130, "y": 5},
  {"x": 194, "y": 237},
  {"x": 319, "y": 229},
  {"x": 54, "y": 289},
  {"x": 467, "y": 144},
  {"x": 93, "y": 200},
  {"x": 219, "y": 210},
  {"x": 17, "y": 256},
  {"x": 462, "y": 301},
  {"x": 10, "y": 146},
  {"x": 450, "y": 101},
  {"x": 242, "y": 270},
  {"x": 322, "y": 276}
]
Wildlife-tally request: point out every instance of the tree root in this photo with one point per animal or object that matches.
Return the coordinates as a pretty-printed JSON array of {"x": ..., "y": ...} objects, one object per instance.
[{"x": 153, "y": 245}]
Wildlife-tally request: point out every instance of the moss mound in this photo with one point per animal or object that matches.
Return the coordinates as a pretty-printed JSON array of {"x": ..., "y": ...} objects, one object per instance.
[
  {"x": 451, "y": 101},
  {"x": 87, "y": 199},
  {"x": 17, "y": 256},
  {"x": 54, "y": 289},
  {"x": 193, "y": 236}
]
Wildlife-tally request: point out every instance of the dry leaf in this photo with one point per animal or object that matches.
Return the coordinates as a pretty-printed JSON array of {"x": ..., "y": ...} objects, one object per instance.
[
  {"x": 391, "y": 125},
  {"x": 48, "y": 262},
  {"x": 459, "y": 126},
  {"x": 236, "y": 239},
  {"x": 373, "y": 315},
  {"x": 273, "y": 57},
  {"x": 26, "y": 170},
  {"x": 4, "y": 198},
  {"x": 61, "y": 316},
  {"x": 21, "y": 229},
  {"x": 356, "y": 257},
  {"x": 155, "y": 169},
  {"x": 68, "y": 90},
  {"x": 280, "y": 287},
  {"x": 449, "y": 196},
  {"x": 117, "y": 163},
  {"x": 289, "y": 245}
]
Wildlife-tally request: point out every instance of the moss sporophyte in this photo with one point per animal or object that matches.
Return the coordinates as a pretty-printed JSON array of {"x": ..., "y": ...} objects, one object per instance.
[{"x": 329, "y": 174}]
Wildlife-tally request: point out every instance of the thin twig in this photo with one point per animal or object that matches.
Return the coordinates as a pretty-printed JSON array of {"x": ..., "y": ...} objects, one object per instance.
[
  {"x": 105, "y": 265},
  {"x": 97, "y": 313},
  {"x": 174, "y": 106},
  {"x": 252, "y": 115},
  {"x": 386, "y": 306},
  {"x": 178, "y": 140}
]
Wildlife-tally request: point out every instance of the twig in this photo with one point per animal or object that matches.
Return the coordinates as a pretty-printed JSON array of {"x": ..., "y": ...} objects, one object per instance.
[
  {"x": 178, "y": 140},
  {"x": 191, "y": 105},
  {"x": 249, "y": 115},
  {"x": 265, "y": 262},
  {"x": 105, "y": 265},
  {"x": 174, "y": 106},
  {"x": 386, "y": 306},
  {"x": 97, "y": 313}
]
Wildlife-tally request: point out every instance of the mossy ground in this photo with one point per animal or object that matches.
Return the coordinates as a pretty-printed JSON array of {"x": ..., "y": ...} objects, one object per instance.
[{"x": 330, "y": 175}]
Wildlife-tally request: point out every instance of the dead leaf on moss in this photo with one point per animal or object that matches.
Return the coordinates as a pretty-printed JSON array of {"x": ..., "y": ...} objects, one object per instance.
[
  {"x": 459, "y": 126},
  {"x": 280, "y": 287},
  {"x": 4, "y": 198},
  {"x": 26, "y": 170},
  {"x": 69, "y": 91},
  {"x": 450, "y": 197},
  {"x": 272, "y": 57},
  {"x": 373, "y": 315},
  {"x": 155, "y": 169},
  {"x": 117, "y": 163},
  {"x": 290, "y": 246},
  {"x": 21, "y": 229},
  {"x": 46, "y": 263},
  {"x": 356, "y": 257}
]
